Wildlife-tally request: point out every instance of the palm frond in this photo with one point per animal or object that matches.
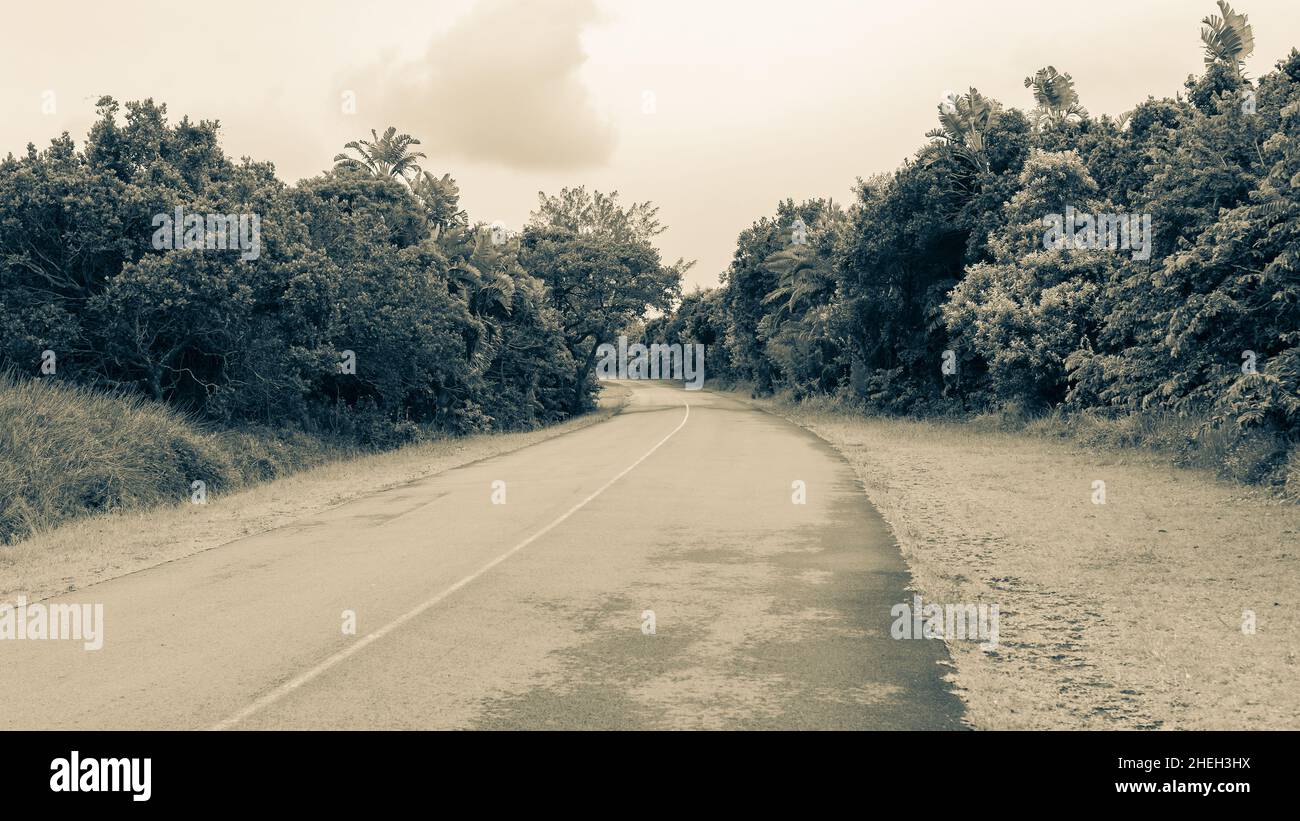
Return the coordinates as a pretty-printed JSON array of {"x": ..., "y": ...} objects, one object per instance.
[{"x": 1228, "y": 39}]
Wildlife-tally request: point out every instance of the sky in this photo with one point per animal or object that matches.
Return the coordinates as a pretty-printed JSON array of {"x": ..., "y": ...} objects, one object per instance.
[{"x": 715, "y": 110}]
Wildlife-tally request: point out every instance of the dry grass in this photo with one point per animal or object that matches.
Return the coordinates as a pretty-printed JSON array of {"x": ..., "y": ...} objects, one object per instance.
[
  {"x": 95, "y": 548},
  {"x": 1126, "y": 614},
  {"x": 67, "y": 451}
]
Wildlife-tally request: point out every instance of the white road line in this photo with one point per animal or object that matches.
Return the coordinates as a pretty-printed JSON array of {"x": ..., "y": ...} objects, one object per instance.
[{"x": 351, "y": 650}]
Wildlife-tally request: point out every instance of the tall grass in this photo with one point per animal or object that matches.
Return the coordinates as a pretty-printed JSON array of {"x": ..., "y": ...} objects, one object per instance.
[
  {"x": 1255, "y": 457},
  {"x": 68, "y": 451}
]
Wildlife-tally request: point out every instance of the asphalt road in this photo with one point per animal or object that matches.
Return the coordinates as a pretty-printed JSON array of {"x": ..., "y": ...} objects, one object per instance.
[{"x": 534, "y": 613}]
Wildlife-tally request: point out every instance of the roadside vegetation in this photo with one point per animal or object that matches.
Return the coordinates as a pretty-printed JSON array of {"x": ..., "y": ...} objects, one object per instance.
[
  {"x": 369, "y": 313},
  {"x": 937, "y": 294},
  {"x": 68, "y": 450},
  {"x": 87, "y": 549}
]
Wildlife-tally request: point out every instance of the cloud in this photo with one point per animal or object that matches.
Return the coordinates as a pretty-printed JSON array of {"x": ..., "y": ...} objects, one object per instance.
[{"x": 502, "y": 86}]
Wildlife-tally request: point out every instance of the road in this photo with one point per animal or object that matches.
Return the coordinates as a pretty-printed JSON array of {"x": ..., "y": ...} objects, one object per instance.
[{"x": 535, "y": 613}]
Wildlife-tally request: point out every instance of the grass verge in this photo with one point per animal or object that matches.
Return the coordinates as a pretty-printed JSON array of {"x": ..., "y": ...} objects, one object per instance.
[
  {"x": 150, "y": 519},
  {"x": 67, "y": 451}
]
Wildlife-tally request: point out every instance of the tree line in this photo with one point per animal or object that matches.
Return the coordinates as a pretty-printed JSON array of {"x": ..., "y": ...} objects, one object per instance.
[
  {"x": 938, "y": 290},
  {"x": 373, "y": 308}
]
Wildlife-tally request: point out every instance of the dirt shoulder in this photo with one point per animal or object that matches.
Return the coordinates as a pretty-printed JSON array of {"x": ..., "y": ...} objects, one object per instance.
[
  {"x": 98, "y": 548},
  {"x": 1122, "y": 615}
]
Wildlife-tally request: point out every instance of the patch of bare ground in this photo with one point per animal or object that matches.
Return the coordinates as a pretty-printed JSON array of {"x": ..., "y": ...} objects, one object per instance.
[{"x": 1122, "y": 615}]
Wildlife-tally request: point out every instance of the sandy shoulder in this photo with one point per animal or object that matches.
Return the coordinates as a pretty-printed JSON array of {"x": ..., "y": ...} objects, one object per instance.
[{"x": 1122, "y": 615}]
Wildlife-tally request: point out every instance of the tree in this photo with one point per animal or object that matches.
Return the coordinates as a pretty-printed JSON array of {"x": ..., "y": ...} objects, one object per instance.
[
  {"x": 1236, "y": 288},
  {"x": 386, "y": 156},
  {"x": 746, "y": 283},
  {"x": 581, "y": 211},
  {"x": 1228, "y": 40},
  {"x": 700, "y": 318},
  {"x": 600, "y": 268},
  {"x": 441, "y": 199},
  {"x": 450, "y": 334},
  {"x": 1027, "y": 311},
  {"x": 909, "y": 236},
  {"x": 796, "y": 332},
  {"x": 1209, "y": 161},
  {"x": 963, "y": 122},
  {"x": 1054, "y": 92},
  {"x": 804, "y": 278}
]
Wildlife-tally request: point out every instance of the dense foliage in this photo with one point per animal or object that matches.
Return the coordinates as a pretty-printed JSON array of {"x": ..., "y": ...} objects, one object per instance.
[
  {"x": 371, "y": 308},
  {"x": 938, "y": 291}
]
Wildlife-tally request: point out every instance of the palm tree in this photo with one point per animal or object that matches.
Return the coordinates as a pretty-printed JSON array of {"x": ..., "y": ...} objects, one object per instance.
[
  {"x": 441, "y": 199},
  {"x": 805, "y": 274},
  {"x": 964, "y": 121},
  {"x": 476, "y": 273},
  {"x": 386, "y": 156},
  {"x": 805, "y": 279},
  {"x": 1054, "y": 92},
  {"x": 1228, "y": 39}
]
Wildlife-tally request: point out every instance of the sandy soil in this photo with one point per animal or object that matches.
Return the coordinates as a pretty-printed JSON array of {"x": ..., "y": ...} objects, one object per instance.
[{"x": 1123, "y": 615}]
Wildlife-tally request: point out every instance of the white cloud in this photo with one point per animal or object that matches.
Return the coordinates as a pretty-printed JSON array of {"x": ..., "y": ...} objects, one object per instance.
[{"x": 501, "y": 86}]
